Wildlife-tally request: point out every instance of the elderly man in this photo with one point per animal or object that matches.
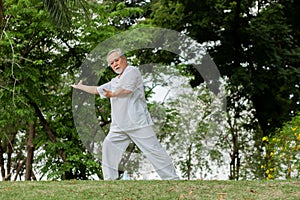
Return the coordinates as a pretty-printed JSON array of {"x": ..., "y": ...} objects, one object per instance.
[{"x": 131, "y": 120}]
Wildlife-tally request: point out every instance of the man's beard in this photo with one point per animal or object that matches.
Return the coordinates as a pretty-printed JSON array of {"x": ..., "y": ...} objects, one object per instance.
[{"x": 119, "y": 71}]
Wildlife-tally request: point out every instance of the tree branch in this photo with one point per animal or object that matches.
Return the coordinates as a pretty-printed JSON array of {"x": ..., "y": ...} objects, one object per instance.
[{"x": 46, "y": 126}]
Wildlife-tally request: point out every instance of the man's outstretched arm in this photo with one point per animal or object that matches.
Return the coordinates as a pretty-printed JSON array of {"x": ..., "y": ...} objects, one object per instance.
[{"x": 85, "y": 88}]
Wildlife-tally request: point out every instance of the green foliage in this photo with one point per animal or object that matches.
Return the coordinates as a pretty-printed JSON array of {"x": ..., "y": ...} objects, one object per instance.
[
  {"x": 34, "y": 64},
  {"x": 283, "y": 151},
  {"x": 240, "y": 138},
  {"x": 123, "y": 15},
  {"x": 80, "y": 164},
  {"x": 61, "y": 12},
  {"x": 252, "y": 43},
  {"x": 43, "y": 44},
  {"x": 193, "y": 133},
  {"x": 169, "y": 13}
]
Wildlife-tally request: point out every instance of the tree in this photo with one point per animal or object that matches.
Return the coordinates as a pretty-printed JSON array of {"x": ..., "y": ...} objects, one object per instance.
[
  {"x": 239, "y": 139},
  {"x": 32, "y": 81},
  {"x": 191, "y": 132},
  {"x": 39, "y": 61},
  {"x": 253, "y": 44},
  {"x": 247, "y": 53}
]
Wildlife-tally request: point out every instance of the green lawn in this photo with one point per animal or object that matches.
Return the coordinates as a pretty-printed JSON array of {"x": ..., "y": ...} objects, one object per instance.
[{"x": 130, "y": 190}]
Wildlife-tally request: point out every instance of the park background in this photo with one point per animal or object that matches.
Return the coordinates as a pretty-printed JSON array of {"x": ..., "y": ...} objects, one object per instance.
[{"x": 254, "y": 44}]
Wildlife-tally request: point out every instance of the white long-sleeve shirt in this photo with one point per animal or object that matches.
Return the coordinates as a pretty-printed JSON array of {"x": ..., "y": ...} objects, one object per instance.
[{"x": 129, "y": 112}]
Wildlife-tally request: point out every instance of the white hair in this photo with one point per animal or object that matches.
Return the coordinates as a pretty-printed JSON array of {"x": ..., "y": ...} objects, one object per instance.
[{"x": 118, "y": 50}]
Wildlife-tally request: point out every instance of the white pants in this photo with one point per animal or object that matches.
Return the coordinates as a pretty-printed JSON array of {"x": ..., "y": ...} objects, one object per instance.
[{"x": 115, "y": 145}]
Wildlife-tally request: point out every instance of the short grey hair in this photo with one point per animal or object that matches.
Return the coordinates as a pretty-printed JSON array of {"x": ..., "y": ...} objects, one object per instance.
[{"x": 118, "y": 50}]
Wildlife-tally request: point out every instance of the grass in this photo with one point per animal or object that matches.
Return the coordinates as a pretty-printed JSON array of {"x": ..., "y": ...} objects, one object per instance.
[{"x": 131, "y": 190}]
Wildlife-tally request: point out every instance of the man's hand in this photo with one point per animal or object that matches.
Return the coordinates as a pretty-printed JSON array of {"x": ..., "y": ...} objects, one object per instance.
[
  {"x": 85, "y": 88},
  {"x": 77, "y": 86},
  {"x": 107, "y": 93}
]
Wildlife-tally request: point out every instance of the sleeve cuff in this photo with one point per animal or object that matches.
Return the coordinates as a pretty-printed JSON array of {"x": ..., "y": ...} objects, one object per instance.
[{"x": 101, "y": 92}]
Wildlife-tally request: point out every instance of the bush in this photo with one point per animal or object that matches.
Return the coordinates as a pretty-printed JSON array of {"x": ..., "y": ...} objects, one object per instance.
[{"x": 282, "y": 151}]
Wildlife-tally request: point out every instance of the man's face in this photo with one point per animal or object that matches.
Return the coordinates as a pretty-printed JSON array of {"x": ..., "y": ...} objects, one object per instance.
[{"x": 117, "y": 63}]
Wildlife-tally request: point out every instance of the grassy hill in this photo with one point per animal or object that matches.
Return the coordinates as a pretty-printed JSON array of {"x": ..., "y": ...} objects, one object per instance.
[{"x": 131, "y": 190}]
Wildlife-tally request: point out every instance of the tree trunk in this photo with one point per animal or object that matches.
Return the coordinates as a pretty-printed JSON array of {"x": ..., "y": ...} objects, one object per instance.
[
  {"x": 234, "y": 164},
  {"x": 2, "y": 161},
  {"x": 19, "y": 168},
  {"x": 30, "y": 152},
  {"x": 9, "y": 154},
  {"x": 234, "y": 155},
  {"x": 289, "y": 170},
  {"x": 189, "y": 162},
  {"x": 33, "y": 176}
]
